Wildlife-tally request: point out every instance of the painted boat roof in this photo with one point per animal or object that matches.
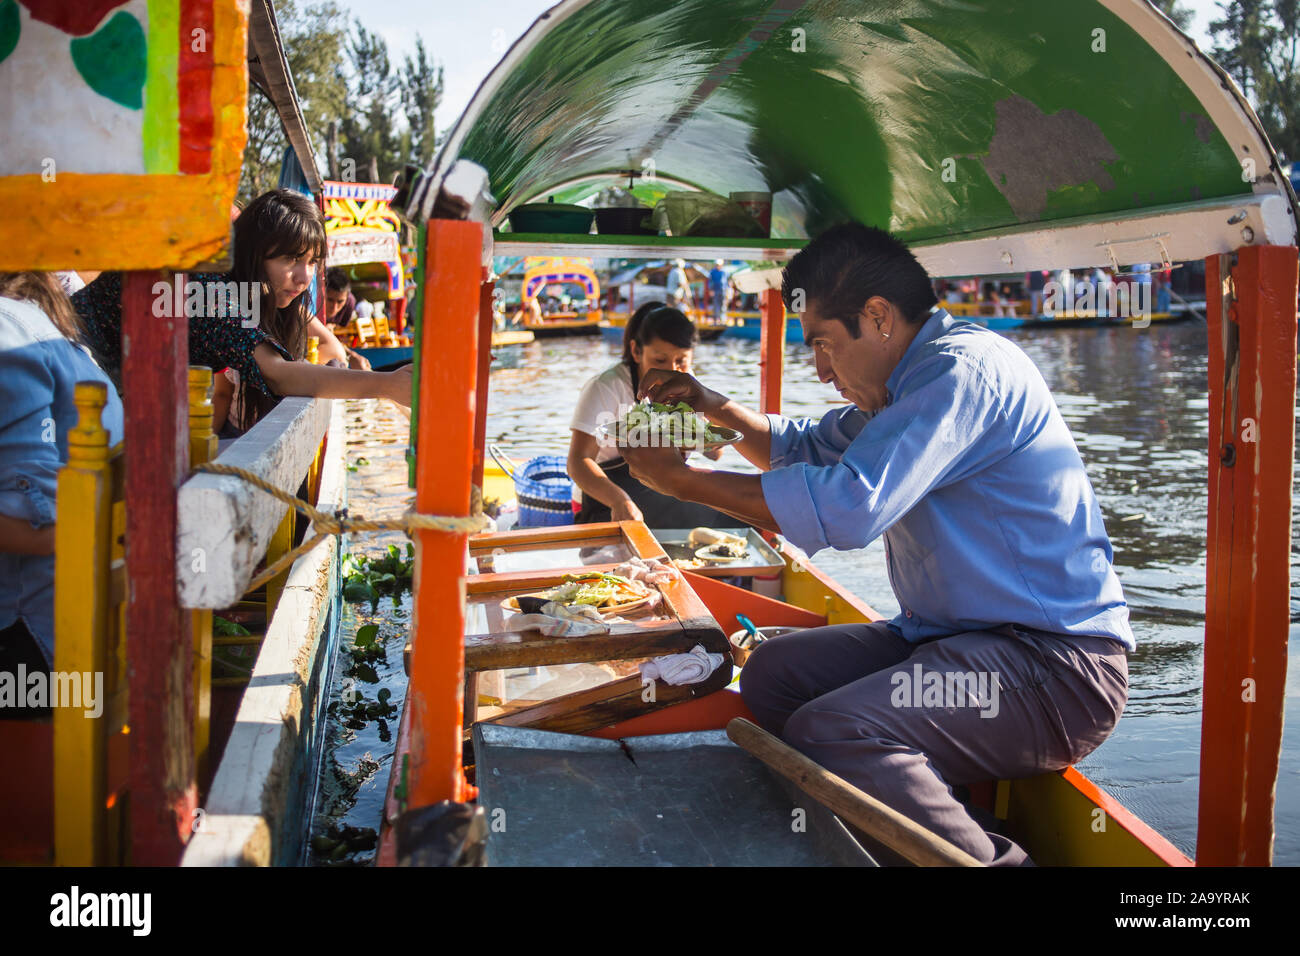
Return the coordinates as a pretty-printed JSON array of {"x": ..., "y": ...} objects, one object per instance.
[{"x": 970, "y": 129}]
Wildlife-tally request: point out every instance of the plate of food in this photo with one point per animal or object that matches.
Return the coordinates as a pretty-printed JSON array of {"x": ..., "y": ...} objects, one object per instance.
[
  {"x": 656, "y": 425},
  {"x": 607, "y": 593}
]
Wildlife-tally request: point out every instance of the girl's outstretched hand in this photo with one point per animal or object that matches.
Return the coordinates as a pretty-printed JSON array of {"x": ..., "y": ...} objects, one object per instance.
[{"x": 397, "y": 385}]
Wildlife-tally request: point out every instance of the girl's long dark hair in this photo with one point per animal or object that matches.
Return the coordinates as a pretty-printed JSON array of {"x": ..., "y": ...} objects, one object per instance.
[
  {"x": 277, "y": 223},
  {"x": 654, "y": 320}
]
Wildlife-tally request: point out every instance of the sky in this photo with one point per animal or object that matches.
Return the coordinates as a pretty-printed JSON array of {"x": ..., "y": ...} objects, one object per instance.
[{"x": 468, "y": 37}]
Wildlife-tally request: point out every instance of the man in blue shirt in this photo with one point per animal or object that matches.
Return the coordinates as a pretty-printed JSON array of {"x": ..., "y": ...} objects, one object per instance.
[
  {"x": 1008, "y": 656},
  {"x": 718, "y": 289}
]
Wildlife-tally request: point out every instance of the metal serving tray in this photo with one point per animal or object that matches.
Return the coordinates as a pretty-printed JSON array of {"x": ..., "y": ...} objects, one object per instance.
[{"x": 761, "y": 559}]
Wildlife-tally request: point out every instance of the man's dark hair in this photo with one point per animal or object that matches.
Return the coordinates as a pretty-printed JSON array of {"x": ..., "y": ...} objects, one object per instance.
[
  {"x": 847, "y": 264},
  {"x": 336, "y": 280}
]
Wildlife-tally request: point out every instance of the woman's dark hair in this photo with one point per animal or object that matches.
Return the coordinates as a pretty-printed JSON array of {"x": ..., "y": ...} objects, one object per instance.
[
  {"x": 278, "y": 223},
  {"x": 633, "y": 326},
  {"x": 848, "y": 264},
  {"x": 654, "y": 320},
  {"x": 44, "y": 290}
]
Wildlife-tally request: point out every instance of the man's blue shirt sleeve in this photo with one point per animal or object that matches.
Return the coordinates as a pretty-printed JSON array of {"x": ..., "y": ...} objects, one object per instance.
[{"x": 842, "y": 482}]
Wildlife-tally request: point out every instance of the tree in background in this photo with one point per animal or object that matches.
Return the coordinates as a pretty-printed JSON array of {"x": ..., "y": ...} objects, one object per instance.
[
  {"x": 421, "y": 86},
  {"x": 365, "y": 119},
  {"x": 1175, "y": 11},
  {"x": 1256, "y": 41},
  {"x": 313, "y": 37},
  {"x": 369, "y": 141}
]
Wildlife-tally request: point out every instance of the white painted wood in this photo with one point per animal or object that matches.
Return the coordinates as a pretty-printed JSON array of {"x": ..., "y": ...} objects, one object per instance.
[
  {"x": 225, "y": 523},
  {"x": 253, "y": 789},
  {"x": 1183, "y": 233}
]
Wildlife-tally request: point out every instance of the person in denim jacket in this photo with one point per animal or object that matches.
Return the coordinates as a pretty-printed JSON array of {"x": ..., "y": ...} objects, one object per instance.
[{"x": 41, "y": 360}]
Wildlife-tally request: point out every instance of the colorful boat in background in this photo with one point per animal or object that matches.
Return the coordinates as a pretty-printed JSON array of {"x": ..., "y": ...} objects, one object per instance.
[
  {"x": 559, "y": 296},
  {"x": 363, "y": 237},
  {"x": 629, "y": 289}
]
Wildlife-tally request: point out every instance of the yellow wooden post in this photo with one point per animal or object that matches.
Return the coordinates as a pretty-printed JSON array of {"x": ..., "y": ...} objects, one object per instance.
[
  {"x": 81, "y": 609},
  {"x": 281, "y": 543},
  {"x": 313, "y": 349},
  {"x": 203, "y": 448}
]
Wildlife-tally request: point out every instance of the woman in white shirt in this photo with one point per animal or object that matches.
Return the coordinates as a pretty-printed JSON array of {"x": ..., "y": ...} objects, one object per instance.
[{"x": 657, "y": 336}]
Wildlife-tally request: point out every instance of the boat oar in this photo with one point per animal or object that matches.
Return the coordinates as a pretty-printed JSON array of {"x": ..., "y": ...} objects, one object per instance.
[{"x": 901, "y": 834}]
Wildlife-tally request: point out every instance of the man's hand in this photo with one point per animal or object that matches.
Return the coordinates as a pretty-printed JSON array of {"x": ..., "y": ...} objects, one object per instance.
[
  {"x": 625, "y": 510},
  {"x": 669, "y": 388},
  {"x": 358, "y": 361},
  {"x": 656, "y": 468}
]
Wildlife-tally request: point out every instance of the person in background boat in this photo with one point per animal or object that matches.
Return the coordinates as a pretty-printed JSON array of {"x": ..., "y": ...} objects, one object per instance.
[
  {"x": 954, "y": 450},
  {"x": 994, "y": 300},
  {"x": 1101, "y": 289},
  {"x": 279, "y": 239},
  {"x": 679, "y": 287},
  {"x": 656, "y": 337},
  {"x": 340, "y": 303},
  {"x": 718, "y": 289},
  {"x": 1036, "y": 283},
  {"x": 41, "y": 360},
  {"x": 330, "y": 349},
  {"x": 1163, "y": 281}
]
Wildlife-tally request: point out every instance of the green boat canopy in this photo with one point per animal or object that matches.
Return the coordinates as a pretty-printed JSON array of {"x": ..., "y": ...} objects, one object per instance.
[{"x": 992, "y": 136}]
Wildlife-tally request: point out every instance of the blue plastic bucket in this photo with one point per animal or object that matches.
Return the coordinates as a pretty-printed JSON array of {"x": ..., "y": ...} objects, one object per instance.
[{"x": 545, "y": 492}]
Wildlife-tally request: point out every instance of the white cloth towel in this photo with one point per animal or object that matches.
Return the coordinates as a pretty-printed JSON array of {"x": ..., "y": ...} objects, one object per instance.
[
  {"x": 677, "y": 669},
  {"x": 557, "y": 620}
]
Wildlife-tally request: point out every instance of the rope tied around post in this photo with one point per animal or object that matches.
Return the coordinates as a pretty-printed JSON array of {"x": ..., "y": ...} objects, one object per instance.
[{"x": 324, "y": 524}]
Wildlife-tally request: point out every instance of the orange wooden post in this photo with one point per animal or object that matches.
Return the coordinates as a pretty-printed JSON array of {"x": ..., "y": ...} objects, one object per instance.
[
  {"x": 443, "y": 470},
  {"x": 485, "y": 317},
  {"x": 1251, "y": 311},
  {"x": 772, "y": 350},
  {"x": 160, "y": 641}
]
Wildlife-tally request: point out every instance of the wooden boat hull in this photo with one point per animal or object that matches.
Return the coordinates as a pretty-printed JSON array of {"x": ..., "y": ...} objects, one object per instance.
[
  {"x": 1054, "y": 816},
  {"x": 564, "y": 327},
  {"x": 509, "y": 337},
  {"x": 380, "y": 358},
  {"x": 1068, "y": 321},
  {"x": 751, "y": 328}
]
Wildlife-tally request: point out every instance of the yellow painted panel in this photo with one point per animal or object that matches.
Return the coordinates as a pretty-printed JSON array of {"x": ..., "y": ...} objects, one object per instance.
[{"x": 1060, "y": 826}]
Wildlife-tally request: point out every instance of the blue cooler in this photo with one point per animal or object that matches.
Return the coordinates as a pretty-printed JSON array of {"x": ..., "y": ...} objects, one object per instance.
[{"x": 545, "y": 492}]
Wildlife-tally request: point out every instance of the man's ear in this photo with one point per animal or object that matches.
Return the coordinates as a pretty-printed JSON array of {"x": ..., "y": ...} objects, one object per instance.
[{"x": 877, "y": 311}]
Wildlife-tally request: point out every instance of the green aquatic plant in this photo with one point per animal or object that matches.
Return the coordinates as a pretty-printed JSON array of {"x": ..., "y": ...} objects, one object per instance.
[{"x": 369, "y": 577}]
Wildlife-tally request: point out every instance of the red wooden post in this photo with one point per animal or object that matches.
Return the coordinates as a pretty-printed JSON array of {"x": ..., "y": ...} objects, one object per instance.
[
  {"x": 155, "y": 365},
  {"x": 1251, "y": 310},
  {"x": 772, "y": 351},
  {"x": 443, "y": 469},
  {"x": 485, "y": 317}
]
